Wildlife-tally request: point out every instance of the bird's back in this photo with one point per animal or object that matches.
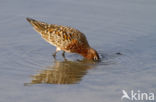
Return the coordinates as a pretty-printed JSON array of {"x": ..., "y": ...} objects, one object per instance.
[{"x": 66, "y": 38}]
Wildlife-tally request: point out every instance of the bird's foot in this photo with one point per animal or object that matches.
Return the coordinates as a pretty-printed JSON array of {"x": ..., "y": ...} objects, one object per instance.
[
  {"x": 63, "y": 54},
  {"x": 54, "y": 54}
]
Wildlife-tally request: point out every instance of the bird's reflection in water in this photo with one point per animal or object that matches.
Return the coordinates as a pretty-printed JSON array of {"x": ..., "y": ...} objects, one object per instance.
[{"x": 63, "y": 72}]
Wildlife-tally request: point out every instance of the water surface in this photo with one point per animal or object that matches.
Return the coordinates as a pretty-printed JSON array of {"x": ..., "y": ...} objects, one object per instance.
[{"x": 28, "y": 72}]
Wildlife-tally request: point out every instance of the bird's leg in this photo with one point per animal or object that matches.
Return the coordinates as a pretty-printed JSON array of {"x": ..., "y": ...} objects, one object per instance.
[
  {"x": 57, "y": 50},
  {"x": 54, "y": 54},
  {"x": 63, "y": 54}
]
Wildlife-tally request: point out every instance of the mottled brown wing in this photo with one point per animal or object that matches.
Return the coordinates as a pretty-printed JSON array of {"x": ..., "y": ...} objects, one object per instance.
[{"x": 64, "y": 37}]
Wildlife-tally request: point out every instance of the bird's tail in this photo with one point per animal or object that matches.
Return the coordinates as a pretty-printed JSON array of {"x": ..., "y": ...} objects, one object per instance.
[{"x": 38, "y": 26}]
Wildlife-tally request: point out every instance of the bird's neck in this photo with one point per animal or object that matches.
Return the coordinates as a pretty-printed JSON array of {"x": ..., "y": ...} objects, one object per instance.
[{"x": 85, "y": 52}]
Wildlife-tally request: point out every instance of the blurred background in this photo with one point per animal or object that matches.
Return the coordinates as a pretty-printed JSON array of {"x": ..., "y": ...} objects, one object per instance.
[{"x": 28, "y": 72}]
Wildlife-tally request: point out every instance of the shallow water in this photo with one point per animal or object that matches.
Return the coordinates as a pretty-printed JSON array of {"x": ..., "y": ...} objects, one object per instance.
[{"x": 29, "y": 73}]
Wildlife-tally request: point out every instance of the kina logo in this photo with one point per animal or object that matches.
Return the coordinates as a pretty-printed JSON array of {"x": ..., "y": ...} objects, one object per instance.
[{"x": 137, "y": 95}]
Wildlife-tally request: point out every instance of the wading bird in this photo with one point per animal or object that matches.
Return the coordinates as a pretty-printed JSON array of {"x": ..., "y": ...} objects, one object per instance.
[{"x": 65, "y": 38}]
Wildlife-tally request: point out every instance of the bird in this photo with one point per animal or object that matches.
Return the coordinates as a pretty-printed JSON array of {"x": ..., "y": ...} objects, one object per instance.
[
  {"x": 65, "y": 38},
  {"x": 125, "y": 95}
]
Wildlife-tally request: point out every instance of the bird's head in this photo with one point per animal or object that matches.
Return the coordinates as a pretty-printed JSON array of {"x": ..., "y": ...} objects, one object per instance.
[{"x": 92, "y": 55}]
